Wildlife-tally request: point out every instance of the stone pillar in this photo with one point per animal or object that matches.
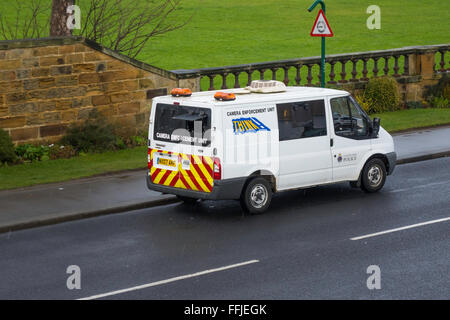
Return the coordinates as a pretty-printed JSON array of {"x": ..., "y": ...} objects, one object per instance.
[
  {"x": 425, "y": 62},
  {"x": 193, "y": 84}
]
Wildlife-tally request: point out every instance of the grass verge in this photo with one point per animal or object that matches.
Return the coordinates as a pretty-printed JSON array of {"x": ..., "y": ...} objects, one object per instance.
[
  {"x": 396, "y": 121},
  {"x": 67, "y": 169},
  {"x": 93, "y": 164}
]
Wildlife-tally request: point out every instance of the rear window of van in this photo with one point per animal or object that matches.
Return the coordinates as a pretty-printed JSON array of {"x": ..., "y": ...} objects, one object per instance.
[{"x": 182, "y": 124}]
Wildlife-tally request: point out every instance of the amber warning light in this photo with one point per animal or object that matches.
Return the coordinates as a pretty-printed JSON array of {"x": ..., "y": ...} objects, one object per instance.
[
  {"x": 224, "y": 96},
  {"x": 178, "y": 92}
]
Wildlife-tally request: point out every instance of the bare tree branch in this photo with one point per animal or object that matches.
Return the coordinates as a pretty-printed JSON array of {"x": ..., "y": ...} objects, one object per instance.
[{"x": 122, "y": 25}]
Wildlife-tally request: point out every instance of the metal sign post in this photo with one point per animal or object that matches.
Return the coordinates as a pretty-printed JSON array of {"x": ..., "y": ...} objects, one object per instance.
[{"x": 321, "y": 29}]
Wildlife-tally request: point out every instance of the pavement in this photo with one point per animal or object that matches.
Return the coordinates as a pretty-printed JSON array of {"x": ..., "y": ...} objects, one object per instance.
[
  {"x": 77, "y": 199},
  {"x": 312, "y": 244}
]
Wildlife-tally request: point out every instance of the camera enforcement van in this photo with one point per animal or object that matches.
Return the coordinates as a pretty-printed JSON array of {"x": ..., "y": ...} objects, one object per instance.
[{"x": 248, "y": 143}]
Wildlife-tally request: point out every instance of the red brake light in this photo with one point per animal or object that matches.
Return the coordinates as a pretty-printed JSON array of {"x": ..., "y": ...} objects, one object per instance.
[
  {"x": 217, "y": 169},
  {"x": 149, "y": 161}
]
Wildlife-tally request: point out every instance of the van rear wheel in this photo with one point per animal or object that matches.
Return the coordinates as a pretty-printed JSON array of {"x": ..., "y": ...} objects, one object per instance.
[
  {"x": 373, "y": 175},
  {"x": 256, "y": 196}
]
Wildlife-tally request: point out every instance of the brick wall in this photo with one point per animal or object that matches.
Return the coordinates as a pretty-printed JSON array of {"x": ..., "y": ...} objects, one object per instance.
[{"x": 48, "y": 84}]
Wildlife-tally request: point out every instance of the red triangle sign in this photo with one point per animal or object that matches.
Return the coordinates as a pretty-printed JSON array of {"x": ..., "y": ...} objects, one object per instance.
[{"x": 321, "y": 27}]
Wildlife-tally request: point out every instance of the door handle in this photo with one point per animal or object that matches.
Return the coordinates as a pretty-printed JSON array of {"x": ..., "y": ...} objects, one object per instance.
[
  {"x": 160, "y": 145},
  {"x": 331, "y": 142}
]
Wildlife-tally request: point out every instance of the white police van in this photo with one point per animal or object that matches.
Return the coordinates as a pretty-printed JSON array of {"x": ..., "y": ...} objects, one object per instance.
[{"x": 249, "y": 143}]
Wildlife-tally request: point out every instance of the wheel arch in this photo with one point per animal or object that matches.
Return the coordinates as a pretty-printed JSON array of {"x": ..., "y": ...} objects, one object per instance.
[{"x": 266, "y": 174}]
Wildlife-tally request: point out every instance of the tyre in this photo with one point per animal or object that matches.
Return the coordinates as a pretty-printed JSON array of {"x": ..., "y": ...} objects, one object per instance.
[
  {"x": 256, "y": 196},
  {"x": 373, "y": 175},
  {"x": 187, "y": 200}
]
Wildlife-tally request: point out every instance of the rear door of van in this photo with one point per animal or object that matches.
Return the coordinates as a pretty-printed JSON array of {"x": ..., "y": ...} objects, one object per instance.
[{"x": 180, "y": 152}]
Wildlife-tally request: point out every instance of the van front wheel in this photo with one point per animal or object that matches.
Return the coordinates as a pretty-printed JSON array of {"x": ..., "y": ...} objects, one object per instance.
[
  {"x": 256, "y": 196},
  {"x": 373, "y": 175}
]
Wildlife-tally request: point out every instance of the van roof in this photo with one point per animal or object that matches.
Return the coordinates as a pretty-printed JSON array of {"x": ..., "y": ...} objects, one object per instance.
[{"x": 207, "y": 97}]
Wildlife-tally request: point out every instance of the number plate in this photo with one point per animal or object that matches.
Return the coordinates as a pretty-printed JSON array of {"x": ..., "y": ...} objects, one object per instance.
[{"x": 166, "y": 162}]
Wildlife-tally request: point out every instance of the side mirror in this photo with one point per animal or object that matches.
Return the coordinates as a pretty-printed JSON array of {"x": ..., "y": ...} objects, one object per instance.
[{"x": 375, "y": 126}]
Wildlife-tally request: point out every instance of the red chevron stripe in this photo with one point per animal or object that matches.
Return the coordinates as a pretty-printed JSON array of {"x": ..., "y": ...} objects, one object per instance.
[
  {"x": 174, "y": 180},
  {"x": 202, "y": 176},
  {"x": 164, "y": 177},
  {"x": 194, "y": 181},
  {"x": 207, "y": 166},
  {"x": 155, "y": 174},
  {"x": 183, "y": 180}
]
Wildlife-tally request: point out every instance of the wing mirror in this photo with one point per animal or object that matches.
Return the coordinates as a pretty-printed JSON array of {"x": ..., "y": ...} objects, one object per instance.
[{"x": 375, "y": 127}]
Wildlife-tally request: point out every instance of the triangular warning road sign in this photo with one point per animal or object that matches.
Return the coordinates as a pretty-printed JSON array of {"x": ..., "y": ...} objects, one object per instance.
[{"x": 321, "y": 27}]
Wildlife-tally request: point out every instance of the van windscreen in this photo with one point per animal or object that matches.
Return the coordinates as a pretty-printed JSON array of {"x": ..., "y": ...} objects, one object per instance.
[{"x": 182, "y": 124}]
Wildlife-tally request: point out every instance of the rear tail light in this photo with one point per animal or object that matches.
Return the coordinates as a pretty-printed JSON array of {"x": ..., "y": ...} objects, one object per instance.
[
  {"x": 217, "y": 169},
  {"x": 149, "y": 160}
]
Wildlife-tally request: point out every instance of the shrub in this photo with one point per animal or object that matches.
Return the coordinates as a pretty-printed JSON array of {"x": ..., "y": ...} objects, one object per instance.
[
  {"x": 414, "y": 105},
  {"x": 438, "y": 96},
  {"x": 7, "y": 154},
  {"x": 29, "y": 152},
  {"x": 61, "y": 152},
  {"x": 441, "y": 89},
  {"x": 364, "y": 102},
  {"x": 383, "y": 94},
  {"x": 94, "y": 135},
  {"x": 439, "y": 102}
]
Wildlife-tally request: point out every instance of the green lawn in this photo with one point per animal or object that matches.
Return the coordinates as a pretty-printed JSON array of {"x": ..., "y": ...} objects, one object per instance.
[
  {"x": 92, "y": 164},
  {"x": 67, "y": 169},
  {"x": 243, "y": 31},
  {"x": 413, "y": 118}
]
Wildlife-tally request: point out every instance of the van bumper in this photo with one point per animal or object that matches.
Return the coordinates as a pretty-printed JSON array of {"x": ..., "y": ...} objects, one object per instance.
[
  {"x": 227, "y": 189},
  {"x": 392, "y": 160}
]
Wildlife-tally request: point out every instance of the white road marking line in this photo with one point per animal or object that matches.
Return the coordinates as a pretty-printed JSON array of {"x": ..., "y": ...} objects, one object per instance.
[
  {"x": 157, "y": 283},
  {"x": 399, "y": 229},
  {"x": 420, "y": 186}
]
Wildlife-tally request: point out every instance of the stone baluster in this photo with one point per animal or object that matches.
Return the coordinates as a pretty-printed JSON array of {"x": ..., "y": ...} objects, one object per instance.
[
  {"x": 354, "y": 72},
  {"x": 286, "y": 75},
  {"x": 396, "y": 67},
  {"x": 236, "y": 79},
  {"x": 343, "y": 73},
  {"x": 365, "y": 72},
  {"x": 332, "y": 74},
  {"x": 406, "y": 65},
  {"x": 211, "y": 82},
  {"x": 249, "y": 77},
  {"x": 274, "y": 73},
  {"x": 386, "y": 65},
  {"x": 261, "y": 73},
  {"x": 298, "y": 77},
  {"x": 442, "y": 63},
  {"x": 224, "y": 80},
  {"x": 375, "y": 67}
]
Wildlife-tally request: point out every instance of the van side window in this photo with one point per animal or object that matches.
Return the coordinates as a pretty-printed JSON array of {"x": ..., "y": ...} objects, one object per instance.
[
  {"x": 348, "y": 118},
  {"x": 303, "y": 119}
]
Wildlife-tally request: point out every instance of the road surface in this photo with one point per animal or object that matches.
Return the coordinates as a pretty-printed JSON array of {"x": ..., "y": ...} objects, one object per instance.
[{"x": 312, "y": 244}]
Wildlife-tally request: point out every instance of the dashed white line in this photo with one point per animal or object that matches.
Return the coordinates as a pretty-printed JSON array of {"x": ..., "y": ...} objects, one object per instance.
[
  {"x": 157, "y": 283},
  {"x": 401, "y": 228}
]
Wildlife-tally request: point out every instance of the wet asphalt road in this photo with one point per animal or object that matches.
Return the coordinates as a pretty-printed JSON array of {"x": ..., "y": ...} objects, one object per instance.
[{"x": 303, "y": 247}]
